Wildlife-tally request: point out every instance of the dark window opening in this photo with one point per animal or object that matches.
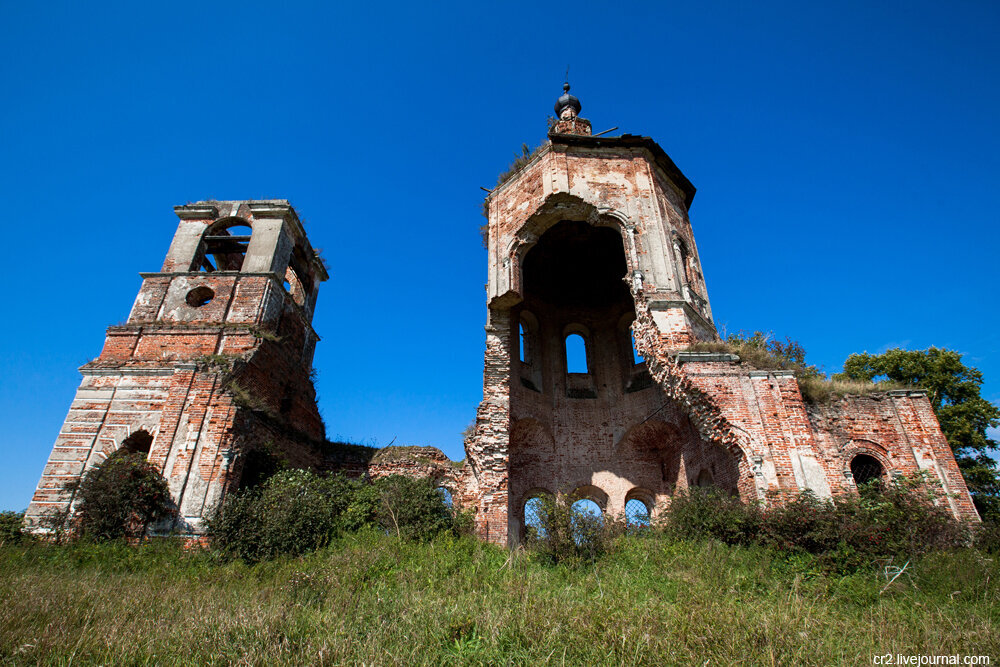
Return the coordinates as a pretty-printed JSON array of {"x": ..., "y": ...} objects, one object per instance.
[
  {"x": 258, "y": 467},
  {"x": 199, "y": 296},
  {"x": 576, "y": 264},
  {"x": 866, "y": 469},
  {"x": 139, "y": 442}
]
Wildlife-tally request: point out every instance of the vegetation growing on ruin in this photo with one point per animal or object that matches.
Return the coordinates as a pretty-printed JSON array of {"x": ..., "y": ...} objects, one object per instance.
[
  {"x": 297, "y": 511},
  {"x": 371, "y": 598},
  {"x": 520, "y": 160},
  {"x": 121, "y": 497},
  {"x": 952, "y": 387},
  {"x": 954, "y": 391},
  {"x": 765, "y": 352}
]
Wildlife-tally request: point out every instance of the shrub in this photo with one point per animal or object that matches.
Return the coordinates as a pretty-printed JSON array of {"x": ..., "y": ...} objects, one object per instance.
[
  {"x": 884, "y": 521},
  {"x": 297, "y": 511},
  {"x": 121, "y": 496},
  {"x": 565, "y": 534},
  {"x": 410, "y": 508},
  {"x": 293, "y": 512},
  {"x": 988, "y": 536},
  {"x": 702, "y": 513},
  {"x": 10, "y": 527}
]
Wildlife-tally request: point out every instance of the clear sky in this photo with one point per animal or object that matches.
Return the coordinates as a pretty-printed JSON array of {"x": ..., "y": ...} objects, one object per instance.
[{"x": 847, "y": 160}]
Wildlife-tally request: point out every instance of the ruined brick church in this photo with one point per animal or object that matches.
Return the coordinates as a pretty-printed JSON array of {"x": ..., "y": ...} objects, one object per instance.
[{"x": 589, "y": 245}]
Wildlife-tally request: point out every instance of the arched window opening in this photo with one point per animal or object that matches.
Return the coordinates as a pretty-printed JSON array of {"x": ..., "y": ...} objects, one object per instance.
[
  {"x": 139, "y": 442},
  {"x": 445, "y": 497},
  {"x": 636, "y": 514},
  {"x": 636, "y": 357},
  {"x": 866, "y": 469},
  {"x": 293, "y": 285},
  {"x": 576, "y": 354},
  {"x": 586, "y": 520},
  {"x": 223, "y": 247},
  {"x": 534, "y": 514},
  {"x": 523, "y": 338}
]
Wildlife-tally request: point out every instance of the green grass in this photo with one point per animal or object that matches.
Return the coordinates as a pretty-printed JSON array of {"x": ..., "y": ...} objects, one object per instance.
[{"x": 375, "y": 600}]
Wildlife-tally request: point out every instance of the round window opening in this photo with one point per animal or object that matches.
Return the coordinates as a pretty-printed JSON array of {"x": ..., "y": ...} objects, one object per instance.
[{"x": 199, "y": 296}]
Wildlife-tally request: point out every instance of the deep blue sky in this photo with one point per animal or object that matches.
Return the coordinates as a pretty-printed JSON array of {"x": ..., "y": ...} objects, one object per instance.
[{"x": 846, "y": 157}]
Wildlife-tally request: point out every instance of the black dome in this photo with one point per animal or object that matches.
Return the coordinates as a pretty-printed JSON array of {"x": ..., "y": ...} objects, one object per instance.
[{"x": 567, "y": 100}]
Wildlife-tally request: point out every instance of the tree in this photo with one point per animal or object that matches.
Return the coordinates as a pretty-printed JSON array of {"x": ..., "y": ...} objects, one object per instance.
[
  {"x": 953, "y": 389},
  {"x": 121, "y": 496}
]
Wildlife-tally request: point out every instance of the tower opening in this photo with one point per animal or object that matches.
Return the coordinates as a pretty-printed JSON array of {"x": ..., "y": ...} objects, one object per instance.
[
  {"x": 576, "y": 264},
  {"x": 224, "y": 246}
]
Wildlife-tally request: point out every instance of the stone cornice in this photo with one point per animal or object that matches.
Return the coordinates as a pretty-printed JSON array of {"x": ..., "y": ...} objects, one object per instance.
[{"x": 197, "y": 212}]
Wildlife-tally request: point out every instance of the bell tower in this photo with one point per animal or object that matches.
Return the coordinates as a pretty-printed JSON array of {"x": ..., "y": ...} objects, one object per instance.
[
  {"x": 210, "y": 374},
  {"x": 591, "y": 235}
]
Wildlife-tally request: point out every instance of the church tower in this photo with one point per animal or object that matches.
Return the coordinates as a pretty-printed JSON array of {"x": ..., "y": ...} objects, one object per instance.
[
  {"x": 588, "y": 235},
  {"x": 595, "y": 295},
  {"x": 210, "y": 375}
]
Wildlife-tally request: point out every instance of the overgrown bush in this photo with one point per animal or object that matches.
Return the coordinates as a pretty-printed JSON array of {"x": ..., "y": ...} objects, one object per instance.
[
  {"x": 292, "y": 512},
  {"x": 896, "y": 521},
  {"x": 566, "y": 534},
  {"x": 10, "y": 527},
  {"x": 297, "y": 511},
  {"x": 710, "y": 513},
  {"x": 883, "y": 521},
  {"x": 987, "y": 536},
  {"x": 407, "y": 507},
  {"x": 121, "y": 497}
]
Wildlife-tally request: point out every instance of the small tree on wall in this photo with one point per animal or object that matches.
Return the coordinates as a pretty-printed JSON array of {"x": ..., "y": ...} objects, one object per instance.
[{"x": 121, "y": 497}]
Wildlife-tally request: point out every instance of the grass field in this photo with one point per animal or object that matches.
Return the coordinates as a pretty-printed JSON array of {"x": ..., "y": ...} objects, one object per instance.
[{"x": 373, "y": 599}]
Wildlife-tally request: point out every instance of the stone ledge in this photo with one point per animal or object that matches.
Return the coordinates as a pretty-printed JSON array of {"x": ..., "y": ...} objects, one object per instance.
[
  {"x": 197, "y": 212},
  {"x": 685, "y": 357}
]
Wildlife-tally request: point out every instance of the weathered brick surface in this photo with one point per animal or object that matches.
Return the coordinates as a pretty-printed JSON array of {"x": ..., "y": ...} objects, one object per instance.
[
  {"x": 210, "y": 382},
  {"x": 591, "y": 237},
  {"x": 646, "y": 431}
]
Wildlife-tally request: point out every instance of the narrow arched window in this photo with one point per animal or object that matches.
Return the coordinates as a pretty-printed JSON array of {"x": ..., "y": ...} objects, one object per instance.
[
  {"x": 523, "y": 340},
  {"x": 576, "y": 354},
  {"x": 636, "y": 357},
  {"x": 445, "y": 496}
]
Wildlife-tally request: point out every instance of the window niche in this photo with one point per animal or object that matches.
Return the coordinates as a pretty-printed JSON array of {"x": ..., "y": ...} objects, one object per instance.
[
  {"x": 528, "y": 352},
  {"x": 223, "y": 247},
  {"x": 579, "y": 378}
]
